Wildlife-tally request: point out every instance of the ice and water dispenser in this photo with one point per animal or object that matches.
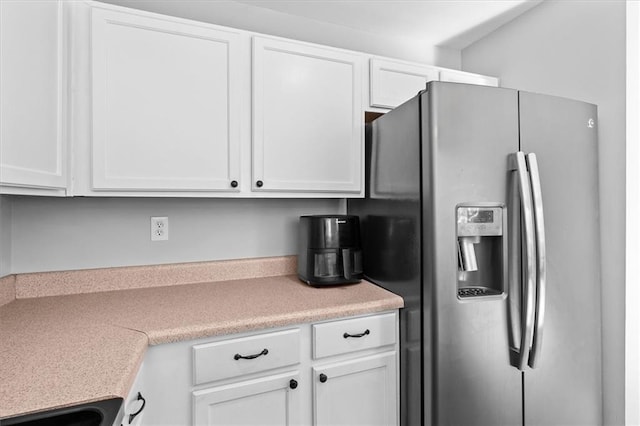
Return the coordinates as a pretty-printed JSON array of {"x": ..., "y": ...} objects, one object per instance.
[{"x": 482, "y": 250}]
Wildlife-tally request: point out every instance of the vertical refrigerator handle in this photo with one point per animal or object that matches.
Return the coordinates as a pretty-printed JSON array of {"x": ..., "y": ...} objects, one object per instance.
[
  {"x": 541, "y": 261},
  {"x": 527, "y": 282}
]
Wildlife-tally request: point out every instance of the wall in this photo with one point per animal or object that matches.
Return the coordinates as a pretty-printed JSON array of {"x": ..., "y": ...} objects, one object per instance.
[
  {"x": 51, "y": 234},
  {"x": 5, "y": 235},
  {"x": 261, "y": 20},
  {"x": 577, "y": 50}
]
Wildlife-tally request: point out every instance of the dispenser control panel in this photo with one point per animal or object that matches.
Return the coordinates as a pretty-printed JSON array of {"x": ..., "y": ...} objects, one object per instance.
[{"x": 479, "y": 221}]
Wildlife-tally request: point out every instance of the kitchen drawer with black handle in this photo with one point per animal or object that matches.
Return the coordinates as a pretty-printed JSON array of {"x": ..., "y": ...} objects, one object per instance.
[
  {"x": 245, "y": 355},
  {"x": 356, "y": 334}
]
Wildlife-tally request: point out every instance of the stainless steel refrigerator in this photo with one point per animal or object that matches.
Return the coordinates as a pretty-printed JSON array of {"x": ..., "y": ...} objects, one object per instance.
[{"x": 481, "y": 210}]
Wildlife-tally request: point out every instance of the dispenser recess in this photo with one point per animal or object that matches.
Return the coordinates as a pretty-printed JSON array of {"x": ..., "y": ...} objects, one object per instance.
[{"x": 482, "y": 250}]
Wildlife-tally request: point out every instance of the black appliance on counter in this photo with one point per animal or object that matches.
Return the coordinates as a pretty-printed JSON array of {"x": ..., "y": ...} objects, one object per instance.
[{"x": 329, "y": 251}]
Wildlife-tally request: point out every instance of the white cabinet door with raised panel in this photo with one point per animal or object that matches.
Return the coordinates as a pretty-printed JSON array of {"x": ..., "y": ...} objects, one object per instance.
[
  {"x": 455, "y": 76},
  {"x": 307, "y": 118},
  {"x": 267, "y": 401},
  {"x": 32, "y": 101},
  {"x": 166, "y": 104},
  {"x": 392, "y": 83},
  {"x": 361, "y": 391}
]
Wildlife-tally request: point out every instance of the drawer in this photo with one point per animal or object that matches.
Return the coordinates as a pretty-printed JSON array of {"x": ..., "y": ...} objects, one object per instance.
[
  {"x": 245, "y": 355},
  {"x": 341, "y": 337}
]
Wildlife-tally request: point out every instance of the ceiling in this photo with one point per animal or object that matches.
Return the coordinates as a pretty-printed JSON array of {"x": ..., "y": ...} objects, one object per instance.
[{"x": 446, "y": 23}]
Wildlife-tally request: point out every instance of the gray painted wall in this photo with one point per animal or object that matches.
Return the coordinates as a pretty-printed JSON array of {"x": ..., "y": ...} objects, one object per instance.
[
  {"x": 5, "y": 235},
  {"x": 577, "y": 50},
  {"x": 50, "y": 234}
]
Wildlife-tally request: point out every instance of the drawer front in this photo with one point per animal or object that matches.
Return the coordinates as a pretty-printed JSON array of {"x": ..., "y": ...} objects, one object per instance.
[
  {"x": 245, "y": 355},
  {"x": 340, "y": 337}
]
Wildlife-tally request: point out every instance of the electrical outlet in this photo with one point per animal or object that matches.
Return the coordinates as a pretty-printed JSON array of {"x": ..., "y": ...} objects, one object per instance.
[{"x": 159, "y": 228}]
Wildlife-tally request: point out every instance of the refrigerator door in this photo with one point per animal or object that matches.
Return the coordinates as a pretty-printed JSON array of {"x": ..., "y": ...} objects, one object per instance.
[
  {"x": 468, "y": 134},
  {"x": 564, "y": 388}
]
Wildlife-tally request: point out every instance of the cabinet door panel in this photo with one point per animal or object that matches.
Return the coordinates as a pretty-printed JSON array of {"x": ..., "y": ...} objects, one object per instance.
[
  {"x": 267, "y": 401},
  {"x": 393, "y": 83},
  {"x": 357, "y": 392},
  {"x": 32, "y": 105},
  {"x": 307, "y": 118},
  {"x": 165, "y": 104}
]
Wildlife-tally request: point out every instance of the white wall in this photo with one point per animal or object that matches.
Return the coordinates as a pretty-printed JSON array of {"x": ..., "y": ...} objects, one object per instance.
[
  {"x": 261, "y": 20},
  {"x": 576, "y": 49},
  {"x": 5, "y": 235},
  {"x": 51, "y": 234}
]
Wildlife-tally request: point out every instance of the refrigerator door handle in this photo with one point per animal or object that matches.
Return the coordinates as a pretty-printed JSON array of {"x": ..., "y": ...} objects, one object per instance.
[
  {"x": 541, "y": 261},
  {"x": 518, "y": 164}
]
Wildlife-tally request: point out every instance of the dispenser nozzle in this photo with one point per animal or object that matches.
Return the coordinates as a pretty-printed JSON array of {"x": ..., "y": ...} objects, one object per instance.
[{"x": 467, "y": 254}]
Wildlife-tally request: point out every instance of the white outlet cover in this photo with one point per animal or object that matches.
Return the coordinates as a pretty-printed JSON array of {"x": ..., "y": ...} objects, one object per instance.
[{"x": 159, "y": 228}]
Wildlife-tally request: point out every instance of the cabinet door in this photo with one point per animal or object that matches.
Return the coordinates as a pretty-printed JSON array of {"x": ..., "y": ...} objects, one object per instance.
[
  {"x": 357, "y": 392},
  {"x": 32, "y": 104},
  {"x": 165, "y": 104},
  {"x": 454, "y": 76},
  {"x": 307, "y": 118},
  {"x": 271, "y": 400},
  {"x": 392, "y": 83}
]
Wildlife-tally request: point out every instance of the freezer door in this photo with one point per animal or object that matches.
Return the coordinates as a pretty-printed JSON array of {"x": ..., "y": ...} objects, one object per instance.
[
  {"x": 468, "y": 135},
  {"x": 564, "y": 388}
]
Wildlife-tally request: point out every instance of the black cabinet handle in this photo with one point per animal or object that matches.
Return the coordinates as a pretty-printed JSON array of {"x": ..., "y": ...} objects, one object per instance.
[
  {"x": 293, "y": 384},
  {"x": 234, "y": 183},
  {"x": 134, "y": 415},
  {"x": 259, "y": 184},
  {"x": 238, "y": 356},
  {"x": 323, "y": 378},
  {"x": 366, "y": 332}
]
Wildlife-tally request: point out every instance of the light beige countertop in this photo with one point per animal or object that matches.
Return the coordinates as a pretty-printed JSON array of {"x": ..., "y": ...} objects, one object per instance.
[{"x": 58, "y": 351}]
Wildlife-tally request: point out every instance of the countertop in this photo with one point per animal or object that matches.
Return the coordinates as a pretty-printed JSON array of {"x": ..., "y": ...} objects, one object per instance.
[{"x": 64, "y": 350}]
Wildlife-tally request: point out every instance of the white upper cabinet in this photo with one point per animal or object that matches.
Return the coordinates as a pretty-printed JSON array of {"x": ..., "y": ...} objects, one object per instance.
[
  {"x": 455, "y": 76},
  {"x": 33, "y": 95},
  {"x": 166, "y": 104},
  {"x": 394, "y": 82},
  {"x": 103, "y": 100},
  {"x": 307, "y": 118}
]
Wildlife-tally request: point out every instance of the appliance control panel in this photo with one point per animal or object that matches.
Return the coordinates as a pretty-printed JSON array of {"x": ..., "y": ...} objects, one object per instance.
[{"x": 479, "y": 221}]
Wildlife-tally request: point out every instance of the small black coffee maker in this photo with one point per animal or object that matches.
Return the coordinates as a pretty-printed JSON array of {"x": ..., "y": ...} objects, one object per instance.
[{"x": 329, "y": 250}]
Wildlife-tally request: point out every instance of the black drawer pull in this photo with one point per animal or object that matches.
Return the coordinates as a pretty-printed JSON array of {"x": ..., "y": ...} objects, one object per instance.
[
  {"x": 366, "y": 332},
  {"x": 238, "y": 356},
  {"x": 293, "y": 383},
  {"x": 134, "y": 415},
  {"x": 323, "y": 378}
]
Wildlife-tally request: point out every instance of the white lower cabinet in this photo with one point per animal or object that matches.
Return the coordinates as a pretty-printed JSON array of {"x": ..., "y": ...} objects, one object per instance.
[
  {"x": 361, "y": 391},
  {"x": 272, "y": 400},
  {"x": 272, "y": 377}
]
